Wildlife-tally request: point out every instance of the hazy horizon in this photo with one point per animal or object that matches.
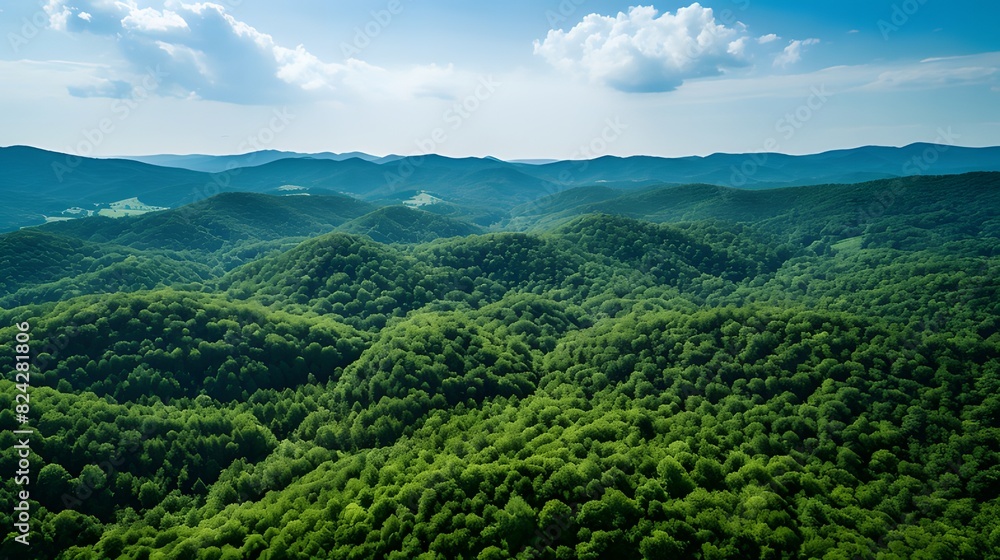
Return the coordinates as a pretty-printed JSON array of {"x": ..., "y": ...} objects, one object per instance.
[
  {"x": 542, "y": 158},
  {"x": 553, "y": 80}
]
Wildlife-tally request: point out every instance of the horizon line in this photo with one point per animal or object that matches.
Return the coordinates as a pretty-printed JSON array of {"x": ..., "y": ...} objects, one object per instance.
[{"x": 356, "y": 154}]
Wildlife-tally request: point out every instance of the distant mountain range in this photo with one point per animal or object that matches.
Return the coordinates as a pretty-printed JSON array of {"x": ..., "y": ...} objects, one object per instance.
[
  {"x": 731, "y": 170},
  {"x": 218, "y": 164},
  {"x": 41, "y": 185}
]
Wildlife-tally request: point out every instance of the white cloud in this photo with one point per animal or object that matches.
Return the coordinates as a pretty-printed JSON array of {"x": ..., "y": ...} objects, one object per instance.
[
  {"x": 883, "y": 77},
  {"x": 793, "y": 52},
  {"x": 941, "y": 72},
  {"x": 101, "y": 17},
  {"x": 103, "y": 88},
  {"x": 643, "y": 51},
  {"x": 205, "y": 52},
  {"x": 58, "y": 15},
  {"x": 147, "y": 20},
  {"x": 769, "y": 38},
  {"x": 738, "y": 47}
]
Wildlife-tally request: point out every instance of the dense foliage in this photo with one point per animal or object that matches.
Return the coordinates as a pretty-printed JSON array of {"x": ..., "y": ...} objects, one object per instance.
[
  {"x": 400, "y": 224},
  {"x": 791, "y": 385}
]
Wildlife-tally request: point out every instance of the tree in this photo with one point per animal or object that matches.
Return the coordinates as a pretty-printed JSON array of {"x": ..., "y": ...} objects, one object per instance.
[
  {"x": 53, "y": 482},
  {"x": 660, "y": 545},
  {"x": 149, "y": 494}
]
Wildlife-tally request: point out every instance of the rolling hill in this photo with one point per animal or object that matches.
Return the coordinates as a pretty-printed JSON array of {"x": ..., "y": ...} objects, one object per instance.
[
  {"x": 734, "y": 170},
  {"x": 666, "y": 372},
  {"x": 221, "y": 222},
  {"x": 219, "y": 164},
  {"x": 400, "y": 224},
  {"x": 807, "y": 212},
  {"x": 483, "y": 190}
]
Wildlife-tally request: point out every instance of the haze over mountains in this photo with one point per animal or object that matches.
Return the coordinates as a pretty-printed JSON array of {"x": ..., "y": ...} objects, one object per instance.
[
  {"x": 480, "y": 190},
  {"x": 218, "y": 164}
]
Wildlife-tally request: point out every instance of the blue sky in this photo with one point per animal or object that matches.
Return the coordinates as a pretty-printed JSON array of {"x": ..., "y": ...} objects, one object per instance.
[{"x": 519, "y": 79}]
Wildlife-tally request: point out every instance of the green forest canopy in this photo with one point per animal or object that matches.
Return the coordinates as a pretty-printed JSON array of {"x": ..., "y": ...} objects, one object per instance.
[{"x": 789, "y": 385}]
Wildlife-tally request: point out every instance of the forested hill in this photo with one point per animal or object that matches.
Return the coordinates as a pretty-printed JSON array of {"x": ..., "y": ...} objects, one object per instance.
[
  {"x": 675, "y": 372},
  {"x": 47, "y": 185},
  {"x": 945, "y": 201},
  {"x": 220, "y": 222}
]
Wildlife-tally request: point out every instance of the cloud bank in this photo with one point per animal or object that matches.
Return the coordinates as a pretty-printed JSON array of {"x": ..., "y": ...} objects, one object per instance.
[
  {"x": 206, "y": 53},
  {"x": 643, "y": 51},
  {"x": 646, "y": 51}
]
